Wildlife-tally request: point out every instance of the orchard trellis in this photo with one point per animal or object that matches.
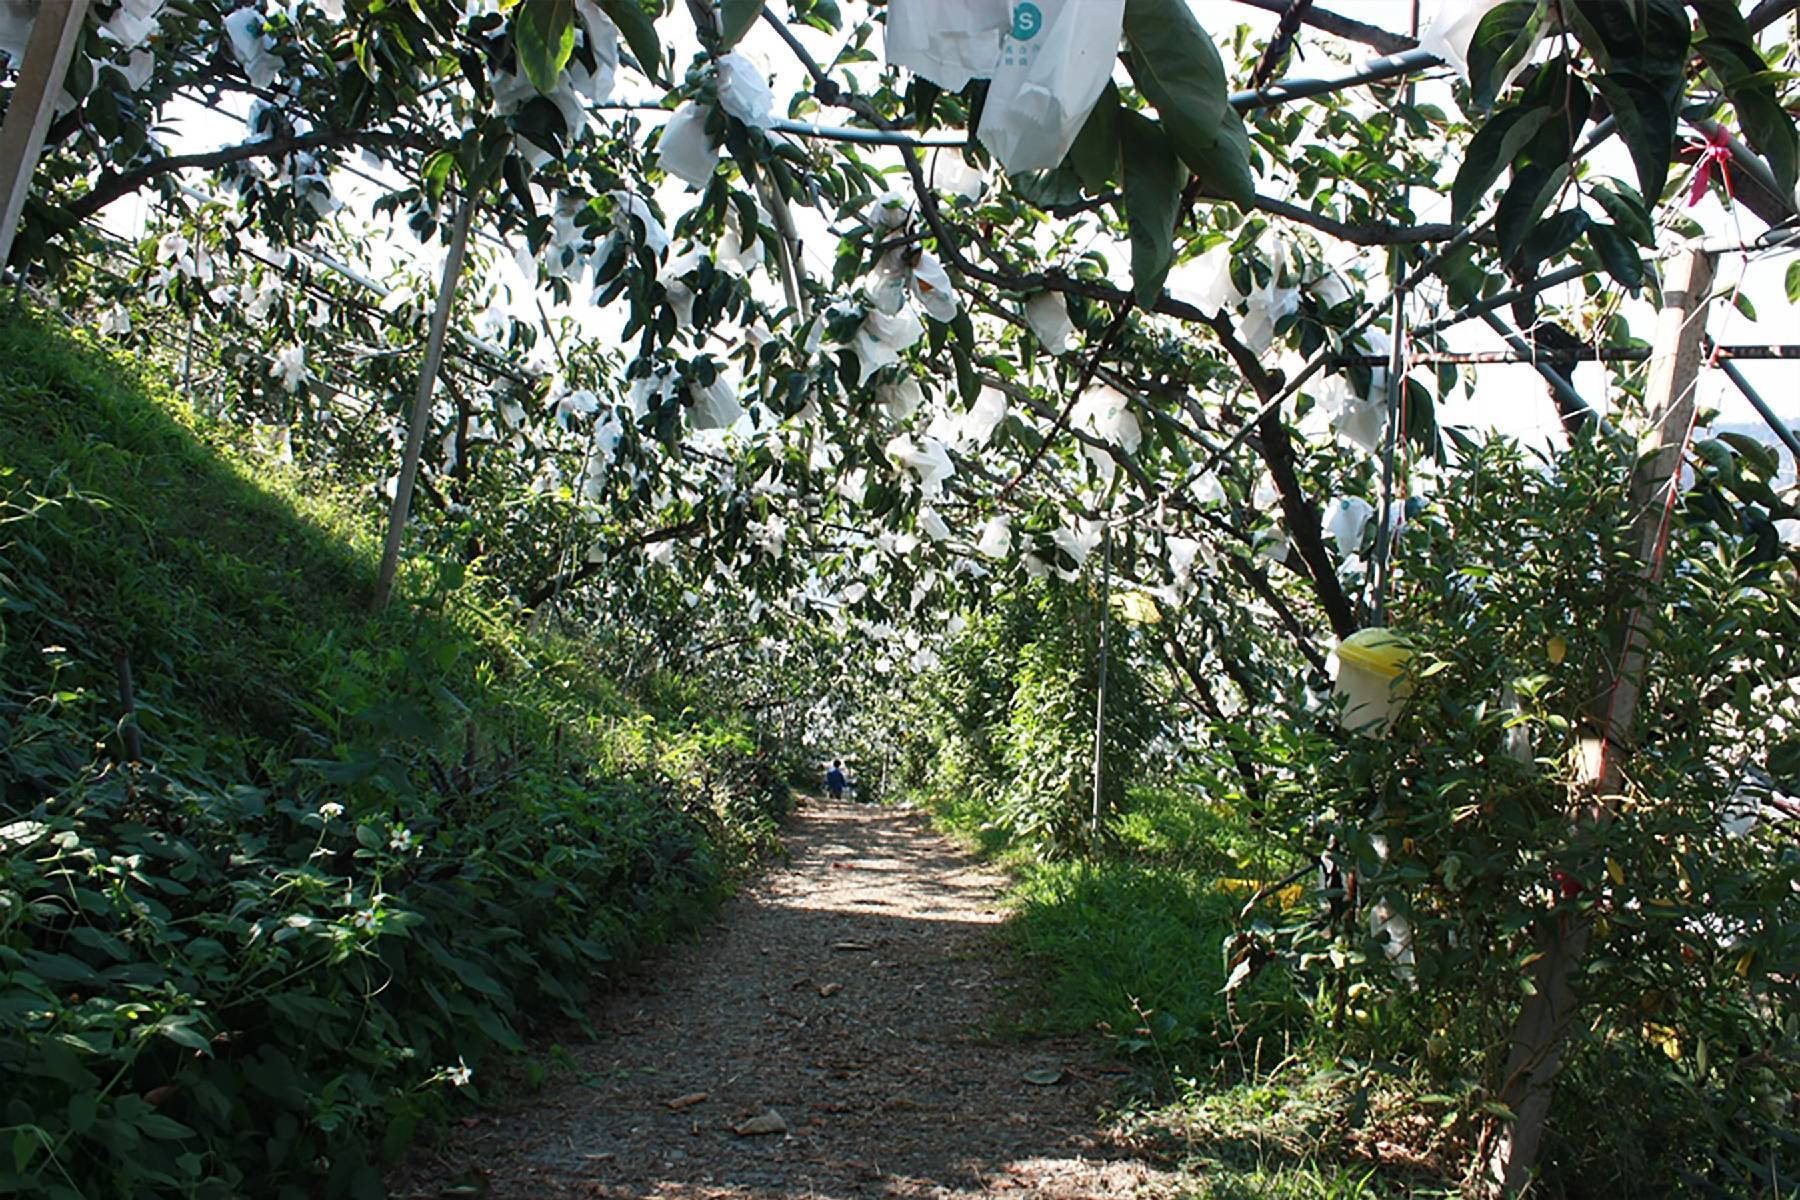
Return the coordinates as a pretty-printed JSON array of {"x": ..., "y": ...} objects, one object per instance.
[{"x": 746, "y": 433}]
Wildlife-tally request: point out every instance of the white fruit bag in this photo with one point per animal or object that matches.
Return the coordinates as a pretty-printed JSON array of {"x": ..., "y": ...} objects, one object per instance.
[
  {"x": 1053, "y": 66},
  {"x": 686, "y": 151},
  {"x": 948, "y": 42}
]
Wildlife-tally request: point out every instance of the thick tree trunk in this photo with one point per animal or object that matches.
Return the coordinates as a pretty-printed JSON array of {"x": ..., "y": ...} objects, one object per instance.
[{"x": 1540, "y": 1032}]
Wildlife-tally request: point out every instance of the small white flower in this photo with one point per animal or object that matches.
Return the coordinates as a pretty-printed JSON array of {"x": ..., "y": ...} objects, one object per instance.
[
  {"x": 363, "y": 919},
  {"x": 400, "y": 839},
  {"x": 116, "y": 322},
  {"x": 460, "y": 1074},
  {"x": 331, "y": 810}
]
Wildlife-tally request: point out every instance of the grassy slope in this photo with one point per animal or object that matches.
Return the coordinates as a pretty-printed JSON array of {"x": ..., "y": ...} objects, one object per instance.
[{"x": 213, "y": 981}]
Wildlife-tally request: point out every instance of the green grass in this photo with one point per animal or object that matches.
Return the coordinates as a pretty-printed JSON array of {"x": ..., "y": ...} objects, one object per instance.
[
  {"x": 361, "y": 850},
  {"x": 1131, "y": 945},
  {"x": 1133, "y": 948}
]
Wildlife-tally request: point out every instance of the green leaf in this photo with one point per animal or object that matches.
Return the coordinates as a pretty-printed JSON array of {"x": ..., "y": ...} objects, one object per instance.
[
  {"x": 1645, "y": 38},
  {"x": 163, "y": 1128},
  {"x": 1177, "y": 67},
  {"x": 24, "y": 1148},
  {"x": 498, "y": 1029},
  {"x": 1533, "y": 187},
  {"x": 1095, "y": 154},
  {"x": 1793, "y": 283},
  {"x": 1500, "y": 43},
  {"x": 543, "y": 39},
  {"x": 1491, "y": 151},
  {"x": 1627, "y": 212},
  {"x": 436, "y": 172},
  {"x": 1647, "y": 123},
  {"x": 1760, "y": 456},
  {"x": 1618, "y": 254},
  {"x": 1153, "y": 181},
  {"x": 83, "y": 1108},
  {"x": 639, "y": 28},
  {"x": 180, "y": 1030},
  {"x": 62, "y": 968},
  {"x": 962, "y": 349},
  {"x": 736, "y": 18},
  {"x": 518, "y": 182},
  {"x": 1048, "y": 189},
  {"x": 1553, "y": 235}
]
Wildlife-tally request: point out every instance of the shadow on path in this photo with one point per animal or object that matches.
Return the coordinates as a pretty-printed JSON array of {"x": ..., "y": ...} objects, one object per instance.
[{"x": 850, "y": 994}]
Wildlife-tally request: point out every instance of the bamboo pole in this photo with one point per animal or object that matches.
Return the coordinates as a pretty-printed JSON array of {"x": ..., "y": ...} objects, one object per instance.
[
  {"x": 1541, "y": 1029},
  {"x": 1100, "y": 693},
  {"x": 421, "y": 410},
  {"x": 54, "y": 36},
  {"x": 1396, "y": 398}
]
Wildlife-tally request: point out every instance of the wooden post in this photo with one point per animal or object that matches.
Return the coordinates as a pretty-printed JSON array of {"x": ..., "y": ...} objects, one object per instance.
[
  {"x": 1539, "y": 1032},
  {"x": 1100, "y": 694},
  {"x": 421, "y": 410},
  {"x": 54, "y": 35}
]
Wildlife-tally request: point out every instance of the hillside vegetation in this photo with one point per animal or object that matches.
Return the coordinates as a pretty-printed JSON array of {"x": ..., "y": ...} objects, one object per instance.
[{"x": 260, "y": 926}]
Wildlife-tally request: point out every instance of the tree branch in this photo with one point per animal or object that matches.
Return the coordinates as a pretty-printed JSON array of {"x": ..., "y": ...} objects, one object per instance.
[
  {"x": 1348, "y": 28},
  {"x": 1371, "y": 234},
  {"x": 113, "y": 186},
  {"x": 1276, "y": 448},
  {"x": 588, "y": 570}
]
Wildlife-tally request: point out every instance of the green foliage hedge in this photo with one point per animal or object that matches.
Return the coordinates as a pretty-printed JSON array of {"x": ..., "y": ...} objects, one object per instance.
[{"x": 361, "y": 856}]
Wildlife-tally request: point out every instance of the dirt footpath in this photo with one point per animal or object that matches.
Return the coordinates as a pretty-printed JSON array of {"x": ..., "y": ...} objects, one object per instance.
[{"x": 831, "y": 1038}]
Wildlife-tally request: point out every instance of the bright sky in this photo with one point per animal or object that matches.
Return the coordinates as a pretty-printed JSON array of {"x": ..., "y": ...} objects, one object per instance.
[{"x": 1508, "y": 397}]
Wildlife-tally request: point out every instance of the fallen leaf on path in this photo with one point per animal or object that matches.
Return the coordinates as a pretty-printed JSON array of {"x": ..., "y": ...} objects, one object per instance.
[
  {"x": 687, "y": 1101},
  {"x": 1046, "y": 1076},
  {"x": 769, "y": 1122},
  {"x": 830, "y": 989},
  {"x": 851, "y": 946}
]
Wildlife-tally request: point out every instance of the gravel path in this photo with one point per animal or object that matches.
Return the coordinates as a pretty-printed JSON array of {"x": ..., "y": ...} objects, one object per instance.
[{"x": 845, "y": 1003}]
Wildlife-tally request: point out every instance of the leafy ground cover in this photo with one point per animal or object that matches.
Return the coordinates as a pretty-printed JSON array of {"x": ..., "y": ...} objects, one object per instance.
[{"x": 282, "y": 907}]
